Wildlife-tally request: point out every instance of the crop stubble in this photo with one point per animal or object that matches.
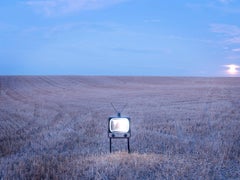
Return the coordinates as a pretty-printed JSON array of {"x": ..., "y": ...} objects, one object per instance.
[{"x": 56, "y": 127}]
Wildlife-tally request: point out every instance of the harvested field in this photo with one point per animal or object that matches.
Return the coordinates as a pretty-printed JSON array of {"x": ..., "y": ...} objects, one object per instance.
[{"x": 55, "y": 127}]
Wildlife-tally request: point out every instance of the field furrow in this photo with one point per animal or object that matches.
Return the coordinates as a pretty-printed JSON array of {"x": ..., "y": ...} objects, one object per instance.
[{"x": 55, "y": 127}]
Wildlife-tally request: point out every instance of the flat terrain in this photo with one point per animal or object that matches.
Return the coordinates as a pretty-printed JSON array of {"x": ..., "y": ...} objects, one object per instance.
[{"x": 55, "y": 127}]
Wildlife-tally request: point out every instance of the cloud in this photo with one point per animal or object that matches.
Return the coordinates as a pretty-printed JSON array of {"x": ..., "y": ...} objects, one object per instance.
[
  {"x": 230, "y": 38},
  {"x": 52, "y": 31},
  {"x": 230, "y": 30},
  {"x": 60, "y": 7},
  {"x": 152, "y": 20},
  {"x": 225, "y": 1},
  {"x": 142, "y": 51},
  {"x": 231, "y": 33},
  {"x": 234, "y": 40},
  {"x": 225, "y": 6},
  {"x": 236, "y": 50}
]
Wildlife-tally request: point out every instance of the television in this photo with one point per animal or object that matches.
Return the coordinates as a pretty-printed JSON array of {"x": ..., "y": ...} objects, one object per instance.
[{"x": 119, "y": 127}]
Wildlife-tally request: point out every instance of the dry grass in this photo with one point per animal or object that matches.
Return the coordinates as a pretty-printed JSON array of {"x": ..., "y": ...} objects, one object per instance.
[{"x": 182, "y": 128}]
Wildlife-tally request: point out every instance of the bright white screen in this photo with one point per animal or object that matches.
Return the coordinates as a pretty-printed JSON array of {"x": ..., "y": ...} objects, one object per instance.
[{"x": 119, "y": 125}]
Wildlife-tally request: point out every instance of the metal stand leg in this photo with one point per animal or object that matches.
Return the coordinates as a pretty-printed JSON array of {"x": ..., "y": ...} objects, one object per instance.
[
  {"x": 110, "y": 145},
  {"x": 128, "y": 146}
]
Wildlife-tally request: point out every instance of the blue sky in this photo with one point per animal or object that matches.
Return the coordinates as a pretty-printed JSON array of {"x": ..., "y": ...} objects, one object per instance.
[{"x": 120, "y": 37}]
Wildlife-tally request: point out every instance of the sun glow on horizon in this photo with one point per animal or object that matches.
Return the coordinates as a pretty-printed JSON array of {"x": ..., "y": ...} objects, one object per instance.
[{"x": 232, "y": 69}]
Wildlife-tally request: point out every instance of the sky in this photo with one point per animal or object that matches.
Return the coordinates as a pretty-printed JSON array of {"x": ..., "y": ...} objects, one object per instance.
[{"x": 120, "y": 37}]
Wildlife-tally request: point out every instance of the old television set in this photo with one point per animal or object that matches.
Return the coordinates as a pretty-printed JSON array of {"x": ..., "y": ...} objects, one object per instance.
[{"x": 119, "y": 127}]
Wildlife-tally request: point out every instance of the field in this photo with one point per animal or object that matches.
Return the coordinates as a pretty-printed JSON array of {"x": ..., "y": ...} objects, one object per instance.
[{"x": 55, "y": 127}]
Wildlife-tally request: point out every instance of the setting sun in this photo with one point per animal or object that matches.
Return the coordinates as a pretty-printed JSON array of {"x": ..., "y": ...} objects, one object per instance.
[{"x": 232, "y": 69}]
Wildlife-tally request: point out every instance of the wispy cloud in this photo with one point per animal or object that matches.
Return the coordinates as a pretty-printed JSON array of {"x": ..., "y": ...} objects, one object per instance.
[
  {"x": 231, "y": 33},
  {"x": 152, "y": 20},
  {"x": 230, "y": 37},
  {"x": 52, "y": 31},
  {"x": 236, "y": 50},
  {"x": 60, "y": 7},
  {"x": 142, "y": 51},
  {"x": 225, "y": 6},
  {"x": 230, "y": 30},
  {"x": 225, "y": 1},
  {"x": 234, "y": 40}
]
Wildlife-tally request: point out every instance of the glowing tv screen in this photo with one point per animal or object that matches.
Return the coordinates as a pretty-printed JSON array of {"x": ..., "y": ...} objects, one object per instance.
[{"x": 119, "y": 125}]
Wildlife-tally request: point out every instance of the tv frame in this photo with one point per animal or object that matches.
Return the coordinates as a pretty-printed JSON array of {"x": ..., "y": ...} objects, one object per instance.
[{"x": 119, "y": 135}]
